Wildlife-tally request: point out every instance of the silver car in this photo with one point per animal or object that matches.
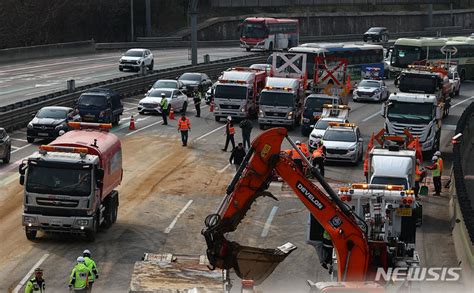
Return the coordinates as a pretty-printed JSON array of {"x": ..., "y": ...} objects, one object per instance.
[
  {"x": 371, "y": 90},
  {"x": 5, "y": 146},
  {"x": 134, "y": 59},
  {"x": 151, "y": 103},
  {"x": 343, "y": 143}
]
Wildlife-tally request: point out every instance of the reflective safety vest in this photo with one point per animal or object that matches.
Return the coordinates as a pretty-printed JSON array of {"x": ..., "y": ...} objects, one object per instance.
[
  {"x": 436, "y": 172},
  {"x": 184, "y": 125},
  {"x": 92, "y": 267},
  {"x": 164, "y": 104},
  {"x": 295, "y": 154},
  {"x": 304, "y": 149},
  {"x": 318, "y": 153},
  {"x": 230, "y": 129},
  {"x": 440, "y": 162},
  {"x": 33, "y": 286},
  {"x": 80, "y": 276},
  {"x": 327, "y": 240},
  {"x": 417, "y": 173}
]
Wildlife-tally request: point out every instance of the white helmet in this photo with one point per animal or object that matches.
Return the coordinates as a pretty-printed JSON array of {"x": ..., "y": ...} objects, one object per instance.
[
  {"x": 80, "y": 259},
  {"x": 297, "y": 142},
  {"x": 86, "y": 252},
  {"x": 434, "y": 158},
  {"x": 229, "y": 118},
  {"x": 437, "y": 153},
  {"x": 163, "y": 95}
]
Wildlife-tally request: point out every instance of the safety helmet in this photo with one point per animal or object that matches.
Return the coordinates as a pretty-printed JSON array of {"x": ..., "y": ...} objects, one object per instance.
[
  {"x": 163, "y": 95},
  {"x": 437, "y": 153},
  {"x": 80, "y": 259},
  {"x": 86, "y": 253},
  {"x": 298, "y": 142},
  {"x": 229, "y": 118},
  {"x": 434, "y": 158}
]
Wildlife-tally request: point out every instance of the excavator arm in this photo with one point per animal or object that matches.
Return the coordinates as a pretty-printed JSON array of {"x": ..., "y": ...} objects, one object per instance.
[{"x": 250, "y": 182}]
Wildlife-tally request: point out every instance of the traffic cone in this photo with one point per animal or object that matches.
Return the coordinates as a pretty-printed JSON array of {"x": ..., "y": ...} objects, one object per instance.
[
  {"x": 132, "y": 124},
  {"x": 211, "y": 107},
  {"x": 171, "y": 117}
]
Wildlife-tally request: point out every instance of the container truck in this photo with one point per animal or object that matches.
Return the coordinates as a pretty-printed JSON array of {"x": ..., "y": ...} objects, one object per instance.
[{"x": 69, "y": 185}]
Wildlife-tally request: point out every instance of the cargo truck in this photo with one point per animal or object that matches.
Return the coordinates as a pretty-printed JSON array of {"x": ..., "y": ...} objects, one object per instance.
[{"x": 69, "y": 185}]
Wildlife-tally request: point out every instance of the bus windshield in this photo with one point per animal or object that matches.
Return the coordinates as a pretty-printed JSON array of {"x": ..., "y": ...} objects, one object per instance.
[
  {"x": 230, "y": 92},
  {"x": 410, "y": 113},
  {"x": 403, "y": 56},
  {"x": 277, "y": 99},
  {"x": 50, "y": 180},
  {"x": 254, "y": 30}
]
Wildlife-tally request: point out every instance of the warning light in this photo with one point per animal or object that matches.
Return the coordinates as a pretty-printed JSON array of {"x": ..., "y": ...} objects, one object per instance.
[{"x": 88, "y": 125}]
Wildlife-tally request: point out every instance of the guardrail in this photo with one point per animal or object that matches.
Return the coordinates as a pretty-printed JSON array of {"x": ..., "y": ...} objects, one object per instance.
[{"x": 17, "y": 115}]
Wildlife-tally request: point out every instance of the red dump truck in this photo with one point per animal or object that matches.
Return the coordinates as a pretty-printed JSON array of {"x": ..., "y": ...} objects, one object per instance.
[{"x": 69, "y": 185}]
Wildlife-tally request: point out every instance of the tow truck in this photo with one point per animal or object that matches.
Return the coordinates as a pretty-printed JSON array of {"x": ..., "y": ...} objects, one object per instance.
[
  {"x": 360, "y": 250},
  {"x": 236, "y": 92}
]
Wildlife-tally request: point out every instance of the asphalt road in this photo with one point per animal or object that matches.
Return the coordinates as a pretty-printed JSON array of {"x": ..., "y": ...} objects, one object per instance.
[
  {"x": 161, "y": 178},
  {"x": 21, "y": 81}
]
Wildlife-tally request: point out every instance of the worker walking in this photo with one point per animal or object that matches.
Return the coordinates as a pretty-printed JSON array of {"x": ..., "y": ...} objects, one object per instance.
[
  {"x": 318, "y": 157},
  {"x": 36, "y": 284},
  {"x": 229, "y": 133},
  {"x": 197, "y": 101},
  {"x": 80, "y": 276},
  {"x": 184, "y": 126},
  {"x": 164, "y": 105},
  {"x": 90, "y": 263},
  {"x": 237, "y": 156},
  {"x": 436, "y": 174},
  {"x": 246, "y": 126}
]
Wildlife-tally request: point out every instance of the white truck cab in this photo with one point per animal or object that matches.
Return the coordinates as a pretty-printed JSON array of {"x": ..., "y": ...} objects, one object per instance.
[{"x": 392, "y": 167}]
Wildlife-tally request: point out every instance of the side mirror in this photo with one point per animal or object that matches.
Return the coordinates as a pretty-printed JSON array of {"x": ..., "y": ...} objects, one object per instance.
[
  {"x": 21, "y": 169},
  {"x": 361, "y": 139},
  {"x": 33, "y": 115},
  {"x": 22, "y": 179},
  {"x": 99, "y": 174}
]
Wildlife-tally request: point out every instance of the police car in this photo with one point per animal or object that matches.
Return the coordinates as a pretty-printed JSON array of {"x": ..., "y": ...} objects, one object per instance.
[{"x": 343, "y": 142}]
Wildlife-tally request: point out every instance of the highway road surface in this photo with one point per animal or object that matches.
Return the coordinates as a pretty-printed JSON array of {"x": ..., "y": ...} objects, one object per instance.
[
  {"x": 162, "y": 180},
  {"x": 32, "y": 78}
]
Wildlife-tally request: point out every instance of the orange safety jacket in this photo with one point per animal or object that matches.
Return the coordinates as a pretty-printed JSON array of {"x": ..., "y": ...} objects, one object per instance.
[
  {"x": 440, "y": 162},
  {"x": 304, "y": 149},
  {"x": 184, "y": 125},
  {"x": 231, "y": 130},
  {"x": 418, "y": 173},
  {"x": 318, "y": 153}
]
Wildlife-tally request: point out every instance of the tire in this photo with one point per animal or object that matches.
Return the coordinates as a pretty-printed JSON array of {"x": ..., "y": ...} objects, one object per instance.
[
  {"x": 217, "y": 118},
  {"x": 365, "y": 39},
  {"x": 151, "y": 65},
  {"x": 116, "y": 205},
  {"x": 108, "y": 214},
  {"x": 184, "y": 108},
  {"x": 30, "y": 234},
  {"x": 115, "y": 120},
  {"x": 456, "y": 93},
  {"x": 6, "y": 160},
  {"x": 30, "y": 139},
  {"x": 91, "y": 234},
  {"x": 247, "y": 49}
]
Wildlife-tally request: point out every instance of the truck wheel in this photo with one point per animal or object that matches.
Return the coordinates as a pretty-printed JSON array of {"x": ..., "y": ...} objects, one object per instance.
[
  {"x": 91, "y": 234},
  {"x": 30, "y": 234},
  {"x": 115, "y": 120},
  {"x": 6, "y": 160},
  {"x": 115, "y": 209},
  {"x": 30, "y": 139},
  {"x": 217, "y": 118}
]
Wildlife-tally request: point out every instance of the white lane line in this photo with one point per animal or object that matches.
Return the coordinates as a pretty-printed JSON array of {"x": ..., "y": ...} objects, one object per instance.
[
  {"x": 28, "y": 275},
  {"x": 210, "y": 132},
  {"x": 123, "y": 125},
  {"x": 268, "y": 223},
  {"x": 133, "y": 104},
  {"x": 462, "y": 102},
  {"x": 143, "y": 128},
  {"x": 128, "y": 109},
  {"x": 19, "y": 149},
  {"x": 19, "y": 139},
  {"x": 223, "y": 169},
  {"x": 371, "y": 116},
  {"x": 168, "y": 229},
  {"x": 14, "y": 147}
]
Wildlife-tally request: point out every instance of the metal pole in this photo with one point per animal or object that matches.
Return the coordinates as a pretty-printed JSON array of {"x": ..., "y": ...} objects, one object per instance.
[
  {"x": 148, "y": 18},
  {"x": 430, "y": 15},
  {"x": 132, "y": 29},
  {"x": 193, "y": 15}
]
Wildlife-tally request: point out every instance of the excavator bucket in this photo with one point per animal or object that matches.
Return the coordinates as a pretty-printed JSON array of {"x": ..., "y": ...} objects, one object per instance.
[{"x": 257, "y": 264}]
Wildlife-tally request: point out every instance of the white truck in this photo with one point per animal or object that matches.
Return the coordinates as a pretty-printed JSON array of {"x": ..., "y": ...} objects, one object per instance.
[
  {"x": 281, "y": 102},
  {"x": 236, "y": 93},
  {"x": 392, "y": 166},
  {"x": 421, "y": 114}
]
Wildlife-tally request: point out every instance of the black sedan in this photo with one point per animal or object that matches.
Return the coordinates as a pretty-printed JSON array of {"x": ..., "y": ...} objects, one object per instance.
[
  {"x": 194, "y": 81},
  {"x": 49, "y": 121},
  {"x": 376, "y": 34},
  {"x": 5, "y": 146}
]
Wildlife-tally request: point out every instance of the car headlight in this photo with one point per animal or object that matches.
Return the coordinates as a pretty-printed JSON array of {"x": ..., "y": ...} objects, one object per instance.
[
  {"x": 121, "y": 60},
  {"x": 30, "y": 125},
  {"x": 261, "y": 114},
  {"x": 314, "y": 136},
  {"x": 29, "y": 219},
  {"x": 290, "y": 116},
  {"x": 352, "y": 149},
  {"x": 306, "y": 120},
  {"x": 356, "y": 93},
  {"x": 82, "y": 222},
  {"x": 60, "y": 126},
  {"x": 216, "y": 107},
  {"x": 139, "y": 61},
  {"x": 242, "y": 110}
]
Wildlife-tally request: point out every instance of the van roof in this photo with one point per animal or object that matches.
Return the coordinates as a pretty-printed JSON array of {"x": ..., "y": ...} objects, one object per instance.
[
  {"x": 282, "y": 82},
  {"x": 237, "y": 75}
]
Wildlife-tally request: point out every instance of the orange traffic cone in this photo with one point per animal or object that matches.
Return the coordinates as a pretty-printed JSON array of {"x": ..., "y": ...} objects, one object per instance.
[
  {"x": 132, "y": 124},
  {"x": 171, "y": 117},
  {"x": 211, "y": 107}
]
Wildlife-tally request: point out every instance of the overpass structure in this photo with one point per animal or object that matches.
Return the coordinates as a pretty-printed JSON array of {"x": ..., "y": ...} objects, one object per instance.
[{"x": 276, "y": 3}]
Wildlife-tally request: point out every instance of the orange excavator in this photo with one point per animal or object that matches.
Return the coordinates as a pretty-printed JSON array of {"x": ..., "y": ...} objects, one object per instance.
[{"x": 357, "y": 256}]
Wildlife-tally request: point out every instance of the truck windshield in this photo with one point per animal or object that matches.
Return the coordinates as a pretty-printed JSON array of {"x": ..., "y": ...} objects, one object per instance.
[
  {"x": 277, "y": 99},
  {"x": 230, "y": 92},
  {"x": 402, "y": 56},
  {"x": 390, "y": 181},
  {"x": 92, "y": 100},
  {"x": 48, "y": 180},
  {"x": 253, "y": 30},
  {"x": 418, "y": 83},
  {"x": 417, "y": 113},
  {"x": 369, "y": 84},
  {"x": 336, "y": 135},
  {"x": 316, "y": 104}
]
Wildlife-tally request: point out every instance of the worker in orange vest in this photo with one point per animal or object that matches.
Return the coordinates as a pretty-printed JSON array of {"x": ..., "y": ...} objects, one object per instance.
[
  {"x": 440, "y": 161},
  {"x": 318, "y": 156},
  {"x": 436, "y": 174},
  {"x": 184, "y": 126},
  {"x": 419, "y": 175},
  {"x": 296, "y": 156},
  {"x": 229, "y": 132}
]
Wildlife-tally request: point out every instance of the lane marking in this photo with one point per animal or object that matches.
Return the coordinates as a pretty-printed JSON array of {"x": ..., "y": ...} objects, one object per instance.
[
  {"x": 19, "y": 149},
  {"x": 123, "y": 125},
  {"x": 462, "y": 102},
  {"x": 371, "y": 116},
  {"x": 143, "y": 128},
  {"x": 223, "y": 169},
  {"x": 133, "y": 104},
  {"x": 268, "y": 223},
  {"x": 19, "y": 139},
  {"x": 209, "y": 133},
  {"x": 14, "y": 147},
  {"x": 168, "y": 229},
  {"x": 28, "y": 275}
]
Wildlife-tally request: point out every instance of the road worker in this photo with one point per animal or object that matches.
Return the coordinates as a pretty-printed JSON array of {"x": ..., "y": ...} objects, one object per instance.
[
  {"x": 440, "y": 161},
  {"x": 197, "y": 100},
  {"x": 327, "y": 251},
  {"x": 229, "y": 133},
  {"x": 184, "y": 126},
  {"x": 90, "y": 263},
  {"x": 80, "y": 276},
  {"x": 318, "y": 156},
  {"x": 36, "y": 284},
  {"x": 164, "y": 105},
  {"x": 436, "y": 174},
  {"x": 419, "y": 175},
  {"x": 246, "y": 126},
  {"x": 237, "y": 156},
  {"x": 296, "y": 156}
]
